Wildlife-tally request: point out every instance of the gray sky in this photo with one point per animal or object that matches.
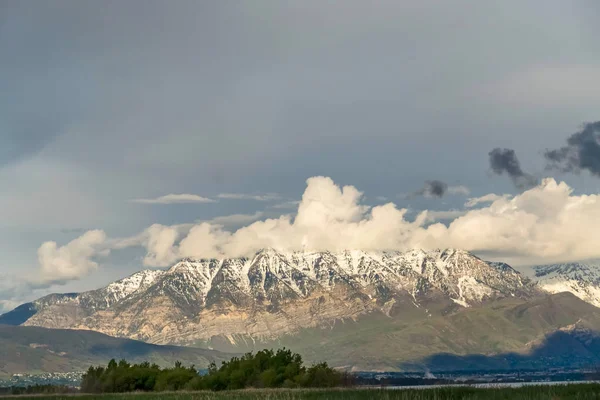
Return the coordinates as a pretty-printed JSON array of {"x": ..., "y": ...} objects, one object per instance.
[{"x": 105, "y": 102}]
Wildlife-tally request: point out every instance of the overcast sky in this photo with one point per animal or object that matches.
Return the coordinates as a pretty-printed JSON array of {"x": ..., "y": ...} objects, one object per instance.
[{"x": 115, "y": 116}]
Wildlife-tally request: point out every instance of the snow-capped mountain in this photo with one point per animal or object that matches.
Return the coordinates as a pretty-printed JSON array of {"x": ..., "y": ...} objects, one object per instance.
[
  {"x": 581, "y": 279},
  {"x": 275, "y": 293},
  {"x": 72, "y": 305}
]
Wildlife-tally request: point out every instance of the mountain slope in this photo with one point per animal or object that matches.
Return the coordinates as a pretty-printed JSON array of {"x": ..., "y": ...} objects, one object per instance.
[
  {"x": 35, "y": 350},
  {"x": 366, "y": 310},
  {"x": 407, "y": 341},
  {"x": 273, "y": 294},
  {"x": 77, "y": 305}
]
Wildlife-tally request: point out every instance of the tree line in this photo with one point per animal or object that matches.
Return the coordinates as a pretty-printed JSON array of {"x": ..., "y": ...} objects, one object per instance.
[
  {"x": 264, "y": 369},
  {"x": 36, "y": 389}
]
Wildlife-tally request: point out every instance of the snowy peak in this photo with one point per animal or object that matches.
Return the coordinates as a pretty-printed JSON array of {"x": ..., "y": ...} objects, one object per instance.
[
  {"x": 579, "y": 271},
  {"x": 581, "y": 279},
  {"x": 119, "y": 290},
  {"x": 274, "y": 293},
  {"x": 273, "y": 277},
  {"x": 138, "y": 281}
]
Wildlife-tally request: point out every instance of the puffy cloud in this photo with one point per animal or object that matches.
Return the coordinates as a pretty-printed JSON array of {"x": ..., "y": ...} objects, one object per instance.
[
  {"x": 159, "y": 242},
  {"x": 175, "y": 199},
  {"x": 544, "y": 224},
  {"x": 205, "y": 241},
  {"x": 71, "y": 261},
  {"x": 505, "y": 161},
  {"x": 160, "y": 245},
  {"x": 256, "y": 197},
  {"x": 488, "y": 198},
  {"x": 582, "y": 151}
]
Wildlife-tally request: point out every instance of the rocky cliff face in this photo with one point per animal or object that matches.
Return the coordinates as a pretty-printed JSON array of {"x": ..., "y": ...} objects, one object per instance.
[{"x": 273, "y": 294}]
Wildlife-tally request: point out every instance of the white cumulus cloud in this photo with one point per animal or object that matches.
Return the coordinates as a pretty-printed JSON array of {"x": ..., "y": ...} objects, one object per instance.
[
  {"x": 544, "y": 224},
  {"x": 432, "y": 216},
  {"x": 71, "y": 261}
]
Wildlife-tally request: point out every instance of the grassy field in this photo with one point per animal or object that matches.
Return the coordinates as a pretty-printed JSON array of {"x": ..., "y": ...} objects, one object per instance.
[{"x": 578, "y": 391}]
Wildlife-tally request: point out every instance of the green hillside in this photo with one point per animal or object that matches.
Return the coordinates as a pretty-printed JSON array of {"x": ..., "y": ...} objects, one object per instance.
[
  {"x": 406, "y": 340},
  {"x": 36, "y": 350}
]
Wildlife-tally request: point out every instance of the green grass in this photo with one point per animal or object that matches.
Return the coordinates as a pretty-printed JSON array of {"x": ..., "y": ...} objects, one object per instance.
[{"x": 561, "y": 392}]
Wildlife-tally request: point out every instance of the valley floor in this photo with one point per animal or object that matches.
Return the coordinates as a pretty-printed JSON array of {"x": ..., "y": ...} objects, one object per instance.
[{"x": 553, "y": 392}]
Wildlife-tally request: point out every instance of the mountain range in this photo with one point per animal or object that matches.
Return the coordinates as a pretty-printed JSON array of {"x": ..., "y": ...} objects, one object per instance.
[{"x": 356, "y": 309}]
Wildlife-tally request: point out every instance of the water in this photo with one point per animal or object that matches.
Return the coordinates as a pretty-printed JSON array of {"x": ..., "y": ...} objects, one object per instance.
[{"x": 497, "y": 385}]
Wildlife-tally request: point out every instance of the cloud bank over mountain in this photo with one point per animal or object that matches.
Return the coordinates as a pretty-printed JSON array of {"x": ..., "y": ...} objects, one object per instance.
[{"x": 545, "y": 223}]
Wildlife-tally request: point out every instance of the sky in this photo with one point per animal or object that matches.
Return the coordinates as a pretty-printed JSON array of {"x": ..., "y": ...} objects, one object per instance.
[{"x": 136, "y": 133}]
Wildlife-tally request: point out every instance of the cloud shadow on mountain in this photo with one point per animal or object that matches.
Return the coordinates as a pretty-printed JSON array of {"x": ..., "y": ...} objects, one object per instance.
[{"x": 579, "y": 348}]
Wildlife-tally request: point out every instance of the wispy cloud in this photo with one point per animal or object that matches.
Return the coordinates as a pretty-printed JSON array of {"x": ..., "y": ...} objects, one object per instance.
[
  {"x": 438, "y": 189},
  {"x": 175, "y": 199},
  {"x": 286, "y": 205},
  {"x": 488, "y": 198},
  {"x": 237, "y": 219},
  {"x": 12, "y": 292},
  {"x": 459, "y": 190},
  {"x": 244, "y": 196}
]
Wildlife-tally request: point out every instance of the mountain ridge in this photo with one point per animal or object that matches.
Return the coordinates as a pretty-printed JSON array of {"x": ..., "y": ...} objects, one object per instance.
[
  {"x": 324, "y": 285},
  {"x": 357, "y": 309}
]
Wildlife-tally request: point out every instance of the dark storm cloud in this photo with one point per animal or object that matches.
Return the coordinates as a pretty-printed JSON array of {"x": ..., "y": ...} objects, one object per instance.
[
  {"x": 505, "y": 161},
  {"x": 582, "y": 152},
  {"x": 433, "y": 188}
]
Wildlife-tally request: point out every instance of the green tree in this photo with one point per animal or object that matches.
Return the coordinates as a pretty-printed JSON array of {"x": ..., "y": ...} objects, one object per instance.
[{"x": 265, "y": 368}]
